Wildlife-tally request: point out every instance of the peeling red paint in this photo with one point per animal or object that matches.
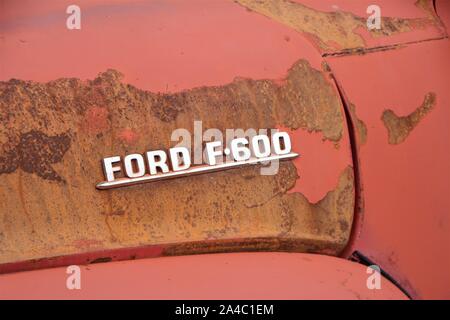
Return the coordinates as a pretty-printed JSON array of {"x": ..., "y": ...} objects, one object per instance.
[
  {"x": 316, "y": 176},
  {"x": 335, "y": 29},
  {"x": 151, "y": 52},
  {"x": 406, "y": 185}
]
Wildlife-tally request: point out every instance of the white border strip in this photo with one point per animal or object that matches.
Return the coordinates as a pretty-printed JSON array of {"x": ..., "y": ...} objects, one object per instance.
[{"x": 122, "y": 182}]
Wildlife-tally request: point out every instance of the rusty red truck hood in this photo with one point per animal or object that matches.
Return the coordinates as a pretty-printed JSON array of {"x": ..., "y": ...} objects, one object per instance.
[{"x": 366, "y": 111}]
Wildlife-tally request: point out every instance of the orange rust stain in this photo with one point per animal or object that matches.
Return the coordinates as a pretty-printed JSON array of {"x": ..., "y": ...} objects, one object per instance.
[
  {"x": 23, "y": 203},
  {"x": 84, "y": 244},
  {"x": 399, "y": 128},
  {"x": 96, "y": 120},
  {"x": 128, "y": 136},
  {"x": 336, "y": 30},
  {"x": 360, "y": 126},
  {"x": 427, "y": 7},
  {"x": 114, "y": 213}
]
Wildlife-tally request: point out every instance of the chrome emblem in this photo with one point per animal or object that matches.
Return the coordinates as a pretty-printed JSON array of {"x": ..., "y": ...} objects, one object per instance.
[{"x": 158, "y": 164}]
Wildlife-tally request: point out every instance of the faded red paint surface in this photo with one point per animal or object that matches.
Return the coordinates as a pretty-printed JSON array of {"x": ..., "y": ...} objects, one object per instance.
[
  {"x": 317, "y": 177},
  {"x": 405, "y": 186},
  {"x": 218, "y": 276},
  {"x": 183, "y": 45}
]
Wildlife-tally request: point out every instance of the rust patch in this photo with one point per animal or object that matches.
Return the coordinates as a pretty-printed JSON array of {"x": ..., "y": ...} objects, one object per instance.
[
  {"x": 128, "y": 136},
  {"x": 86, "y": 243},
  {"x": 363, "y": 51},
  {"x": 428, "y": 8},
  {"x": 325, "y": 67},
  {"x": 331, "y": 217},
  {"x": 96, "y": 120},
  {"x": 221, "y": 207},
  {"x": 337, "y": 30},
  {"x": 304, "y": 100},
  {"x": 35, "y": 153},
  {"x": 399, "y": 128},
  {"x": 360, "y": 126},
  {"x": 114, "y": 213}
]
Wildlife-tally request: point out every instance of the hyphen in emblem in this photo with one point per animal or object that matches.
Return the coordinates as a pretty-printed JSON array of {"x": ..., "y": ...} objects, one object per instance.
[{"x": 158, "y": 164}]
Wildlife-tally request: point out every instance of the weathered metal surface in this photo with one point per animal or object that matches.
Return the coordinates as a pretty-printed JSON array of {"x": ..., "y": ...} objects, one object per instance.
[
  {"x": 152, "y": 53},
  {"x": 341, "y": 27},
  {"x": 175, "y": 77},
  {"x": 400, "y": 127},
  {"x": 218, "y": 276},
  {"x": 403, "y": 98},
  {"x": 53, "y": 135}
]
